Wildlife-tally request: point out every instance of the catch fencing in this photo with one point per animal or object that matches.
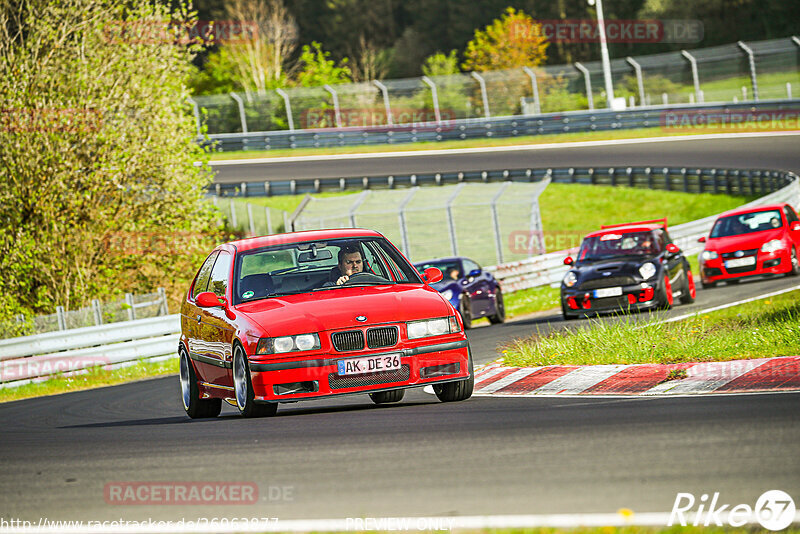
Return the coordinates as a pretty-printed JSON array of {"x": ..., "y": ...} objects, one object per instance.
[{"x": 430, "y": 107}]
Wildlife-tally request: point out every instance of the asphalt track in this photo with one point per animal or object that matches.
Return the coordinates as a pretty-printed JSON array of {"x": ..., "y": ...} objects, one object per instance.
[{"x": 349, "y": 458}]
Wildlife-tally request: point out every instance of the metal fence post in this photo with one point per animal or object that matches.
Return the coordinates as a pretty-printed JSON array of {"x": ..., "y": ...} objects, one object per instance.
[
  {"x": 385, "y": 92},
  {"x": 588, "y": 79},
  {"x": 250, "y": 219},
  {"x": 402, "y": 217},
  {"x": 337, "y": 115},
  {"x": 196, "y": 109},
  {"x": 61, "y": 318},
  {"x": 639, "y": 79},
  {"x": 131, "y": 309},
  {"x": 435, "y": 96},
  {"x": 288, "y": 107},
  {"x": 162, "y": 293},
  {"x": 484, "y": 96},
  {"x": 695, "y": 76},
  {"x": 450, "y": 221},
  {"x": 269, "y": 221},
  {"x": 97, "y": 312},
  {"x": 537, "y": 108},
  {"x": 241, "y": 111},
  {"x": 286, "y": 227},
  {"x": 233, "y": 215},
  {"x": 357, "y": 204},
  {"x": 498, "y": 242},
  {"x": 752, "y": 59}
]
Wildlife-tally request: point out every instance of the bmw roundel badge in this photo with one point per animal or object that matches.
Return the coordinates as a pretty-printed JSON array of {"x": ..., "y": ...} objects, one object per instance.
[{"x": 361, "y": 318}]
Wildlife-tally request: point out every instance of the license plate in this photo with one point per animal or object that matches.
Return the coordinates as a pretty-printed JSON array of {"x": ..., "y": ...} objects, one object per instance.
[
  {"x": 740, "y": 262},
  {"x": 368, "y": 364},
  {"x": 607, "y": 292}
]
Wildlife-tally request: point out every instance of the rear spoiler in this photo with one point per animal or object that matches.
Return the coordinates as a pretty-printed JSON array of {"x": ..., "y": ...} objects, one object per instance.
[{"x": 662, "y": 222}]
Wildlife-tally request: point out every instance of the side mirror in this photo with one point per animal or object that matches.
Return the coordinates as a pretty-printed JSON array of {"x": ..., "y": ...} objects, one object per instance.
[
  {"x": 568, "y": 260},
  {"x": 673, "y": 248},
  {"x": 474, "y": 272},
  {"x": 432, "y": 275},
  {"x": 702, "y": 239},
  {"x": 795, "y": 226},
  {"x": 207, "y": 299}
]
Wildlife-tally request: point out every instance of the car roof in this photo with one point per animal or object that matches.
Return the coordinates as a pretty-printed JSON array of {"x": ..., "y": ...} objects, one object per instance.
[
  {"x": 752, "y": 209},
  {"x": 252, "y": 243},
  {"x": 626, "y": 229}
]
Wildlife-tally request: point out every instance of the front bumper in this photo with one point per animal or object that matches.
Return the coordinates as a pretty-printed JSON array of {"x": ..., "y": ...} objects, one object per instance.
[
  {"x": 641, "y": 296},
  {"x": 317, "y": 376},
  {"x": 779, "y": 262}
]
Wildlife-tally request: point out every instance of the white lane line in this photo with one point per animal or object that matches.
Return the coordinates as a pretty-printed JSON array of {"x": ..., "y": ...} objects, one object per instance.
[
  {"x": 510, "y": 148},
  {"x": 579, "y": 380},
  {"x": 730, "y": 304},
  {"x": 706, "y": 377},
  {"x": 507, "y": 380}
]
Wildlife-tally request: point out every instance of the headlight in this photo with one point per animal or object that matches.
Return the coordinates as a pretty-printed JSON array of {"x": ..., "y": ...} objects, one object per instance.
[
  {"x": 570, "y": 279},
  {"x": 432, "y": 327},
  {"x": 278, "y": 345},
  {"x": 772, "y": 246},
  {"x": 709, "y": 255},
  {"x": 648, "y": 270},
  {"x": 447, "y": 294}
]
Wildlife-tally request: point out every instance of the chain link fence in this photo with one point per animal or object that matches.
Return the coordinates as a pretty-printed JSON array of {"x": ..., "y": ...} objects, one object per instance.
[
  {"x": 129, "y": 308},
  {"x": 717, "y": 74}
]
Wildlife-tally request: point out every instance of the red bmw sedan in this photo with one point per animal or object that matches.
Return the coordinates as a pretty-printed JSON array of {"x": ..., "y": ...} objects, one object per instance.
[
  {"x": 751, "y": 242},
  {"x": 315, "y": 314}
]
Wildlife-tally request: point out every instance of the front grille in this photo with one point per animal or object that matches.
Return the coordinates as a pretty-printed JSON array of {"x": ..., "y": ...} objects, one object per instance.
[
  {"x": 608, "y": 303},
  {"x": 384, "y": 377},
  {"x": 731, "y": 255},
  {"x": 608, "y": 281},
  {"x": 385, "y": 336},
  {"x": 743, "y": 269},
  {"x": 350, "y": 340}
]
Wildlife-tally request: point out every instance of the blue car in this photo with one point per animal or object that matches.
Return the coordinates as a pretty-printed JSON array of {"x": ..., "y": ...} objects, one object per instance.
[{"x": 472, "y": 291}]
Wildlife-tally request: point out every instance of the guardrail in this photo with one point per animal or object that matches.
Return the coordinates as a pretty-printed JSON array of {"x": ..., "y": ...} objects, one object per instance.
[
  {"x": 512, "y": 126},
  {"x": 549, "y": 269},
  {"x": 24, "y": 359}
]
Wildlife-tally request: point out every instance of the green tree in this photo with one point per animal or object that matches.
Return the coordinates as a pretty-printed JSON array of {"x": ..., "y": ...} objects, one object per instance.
[
  {"x": 97, "y": 152},
  {"x": 512, "y": 41},
  {"x": 315, "y": 68},
  {"x": 440, "y": 64}
]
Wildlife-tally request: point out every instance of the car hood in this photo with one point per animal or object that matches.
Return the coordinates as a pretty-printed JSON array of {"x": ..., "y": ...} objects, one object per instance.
[
  {"x": 743, "y": 241},
  {"x": 445, "y": 284},
  {"x": 338, "y": 308}
]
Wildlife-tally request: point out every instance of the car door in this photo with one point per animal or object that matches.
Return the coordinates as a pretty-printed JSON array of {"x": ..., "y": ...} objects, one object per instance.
[
  {"x": 215, "y": 329},
  {"x": 791, "y": 218},
  {"x": 478, "y": 288},
  {"x": 190, "y": 321}
]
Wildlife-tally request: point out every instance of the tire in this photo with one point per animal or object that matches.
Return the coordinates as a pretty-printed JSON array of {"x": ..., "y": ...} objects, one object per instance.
[
  {"x": 708, "y": 285},
  {"x": 243, "y": 388},
  {"x": 457, "y": 391},
  {"x": 665, "y": 298},
  {"x": 567, "y": 316},
  {"x": 500, "y": 309},
  {"x": 689, "y": 291},
  {"x": 732, "y": 281},
  {"x": 464, "y": 311},
  {"x": 384, "y": 397},
  {"x": 795, "y": 270},
  {"x": 195, "y": 407}
]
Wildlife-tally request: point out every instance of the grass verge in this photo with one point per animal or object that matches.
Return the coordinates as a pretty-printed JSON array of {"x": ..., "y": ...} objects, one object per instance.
[
  {"x": 93, "y": 378},
  {"x": 767, "y": 327}
]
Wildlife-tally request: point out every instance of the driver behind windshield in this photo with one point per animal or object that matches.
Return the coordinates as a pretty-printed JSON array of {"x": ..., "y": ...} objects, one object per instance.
[{"x": 350, "y": 263}]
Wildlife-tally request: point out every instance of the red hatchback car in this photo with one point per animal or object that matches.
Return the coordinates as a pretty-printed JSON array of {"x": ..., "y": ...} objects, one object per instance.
[
  {"x": 313, "y": 314},
  {"x": 751, "y": 242}
]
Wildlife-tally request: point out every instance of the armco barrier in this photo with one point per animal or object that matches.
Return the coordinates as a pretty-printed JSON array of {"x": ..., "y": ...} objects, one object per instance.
[
  {"x": 514, "y": 126},
  {"x": 31, "y": 357}
]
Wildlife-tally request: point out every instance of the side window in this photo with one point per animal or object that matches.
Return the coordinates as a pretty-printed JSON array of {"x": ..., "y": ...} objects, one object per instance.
[
  {"x": 219, "y": 274},
  {"x": 470, "y": 266},
  {"x": 201, "y": 281},
  {"x": 791, "y": 216},
  {"x": 663, "y": 239},
  {"x": 373, "y": 262}
]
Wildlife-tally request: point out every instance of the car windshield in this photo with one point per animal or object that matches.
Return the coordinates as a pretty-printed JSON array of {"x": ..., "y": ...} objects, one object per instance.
[
  {"x": 451, "y": 269},
  {"x": 317, "y": 266},
  {"x": 618, "y": 244},
  {"x": 747, "y": 223}
]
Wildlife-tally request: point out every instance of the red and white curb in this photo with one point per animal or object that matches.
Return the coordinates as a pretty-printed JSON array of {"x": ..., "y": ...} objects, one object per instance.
[{"x": 738, "y": 376}]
